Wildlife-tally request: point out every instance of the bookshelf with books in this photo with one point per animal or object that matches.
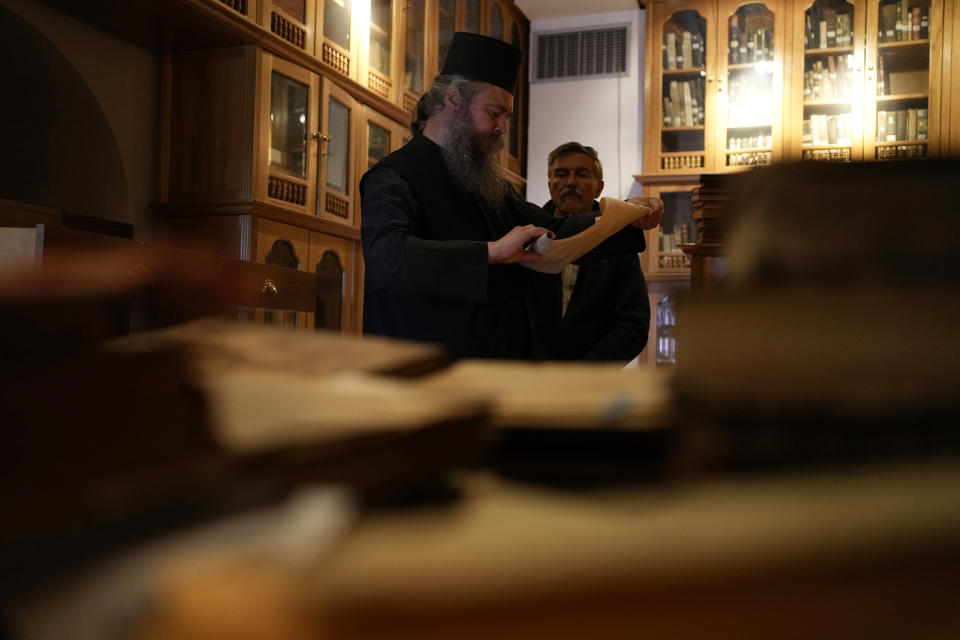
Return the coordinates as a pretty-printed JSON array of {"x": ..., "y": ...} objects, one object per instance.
[
  {"x": 866, "y": 80},
  {"x": 826, "y": 105},
  {"x": 715, "y": 72},
  {"x": 751, "y": 41},
  {"x": 679, "y": 119},
  {"x": 902, "y": 92}
]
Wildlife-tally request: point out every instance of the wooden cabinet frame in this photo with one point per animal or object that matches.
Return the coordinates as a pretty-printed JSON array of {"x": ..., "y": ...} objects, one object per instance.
[
  {"x": 289, "y": 28},
  {"x": 346, "y": 252}
]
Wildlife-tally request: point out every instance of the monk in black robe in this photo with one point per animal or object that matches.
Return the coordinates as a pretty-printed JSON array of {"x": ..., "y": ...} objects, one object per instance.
[{"x": 443, "y": 232}]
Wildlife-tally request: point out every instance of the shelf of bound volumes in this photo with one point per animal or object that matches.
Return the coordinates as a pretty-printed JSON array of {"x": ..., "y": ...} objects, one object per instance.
[{"x": 737, "y": 84}]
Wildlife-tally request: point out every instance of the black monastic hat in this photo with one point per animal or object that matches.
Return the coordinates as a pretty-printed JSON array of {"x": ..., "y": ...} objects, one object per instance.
[{"x": 485, "y": 59}]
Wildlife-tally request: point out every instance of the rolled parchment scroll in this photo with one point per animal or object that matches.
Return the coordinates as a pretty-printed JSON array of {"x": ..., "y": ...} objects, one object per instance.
[
  {"x": 542, "y": 244},
  {"x": 614, "y": 215}
]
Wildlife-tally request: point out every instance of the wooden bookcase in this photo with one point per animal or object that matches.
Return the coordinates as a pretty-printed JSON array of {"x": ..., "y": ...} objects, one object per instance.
[{"x": 812, "y": 82}]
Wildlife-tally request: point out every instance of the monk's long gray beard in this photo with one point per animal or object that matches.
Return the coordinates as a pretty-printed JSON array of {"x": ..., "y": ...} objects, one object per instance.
[{"x": 475, "y": 170}]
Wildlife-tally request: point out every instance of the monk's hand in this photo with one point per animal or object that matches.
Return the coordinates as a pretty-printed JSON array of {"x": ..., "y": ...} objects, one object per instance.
[
  {"x": 651, "y": 218},
  {"x": 510, "y": 248}
]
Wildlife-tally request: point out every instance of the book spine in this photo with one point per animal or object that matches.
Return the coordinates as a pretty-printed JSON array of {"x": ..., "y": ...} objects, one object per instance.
[
  {"x": 891, "y": 126},
  {"x": 831, "y": 28},
  {"x": 922, "y": 124},
  {"x": 924, "y": 23},
  {"x": 901, "y": 124},
  {"x": 667, "y": 111},
  {"x": 905, "y": 11},
  {"x": 915, "y": 21},
  {"x": 911, "y": 124},
  {"x": 686, "y": 48},
  {"x": 881, "y": 126},
  {"x": 881, "y": 78},
  {"x": 898, "y": 34},
  {"x": 671, "y": 47},
  {"x": 733, "y": 49},
  {"x": 700, "y": 101}
]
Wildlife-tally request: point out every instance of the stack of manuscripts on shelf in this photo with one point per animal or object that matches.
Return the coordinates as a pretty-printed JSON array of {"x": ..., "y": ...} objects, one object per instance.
[
  {"x": 713, "y": 202},
  {"x": 569, "y": 422},
  {"x": 835, "y": 336}
]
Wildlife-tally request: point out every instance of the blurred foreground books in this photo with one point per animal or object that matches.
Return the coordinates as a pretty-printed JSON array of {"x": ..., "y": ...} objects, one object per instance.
[{"x": 795, "y": 474}]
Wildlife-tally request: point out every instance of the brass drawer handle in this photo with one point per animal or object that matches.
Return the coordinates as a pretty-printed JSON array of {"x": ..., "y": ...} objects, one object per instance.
[{"x": 269, "y": 288}]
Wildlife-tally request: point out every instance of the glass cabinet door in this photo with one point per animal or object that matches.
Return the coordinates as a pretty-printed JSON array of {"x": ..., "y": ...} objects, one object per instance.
[
  {"x": 663, "y": 255},
  {"x": 684, "y": 75},
  {"x": 335, "y": 181},
  {"x": 289, "y": 105},
  {"x": 903, "y": 65},
  {"x": 380, "y": 60},
  {"x": 471, "y": 16},
  {"x": 828, "y": 81},
  {"x": 749, "y": 83},
  {"x": 285, "y": 175},
  {"x": 335, "y": 47},
  {"x": 514, "y": 144},
  {"x": 446, "y": 26},
  {"x": 414, "y": 26},
  {"x": 495, "y": 21}
]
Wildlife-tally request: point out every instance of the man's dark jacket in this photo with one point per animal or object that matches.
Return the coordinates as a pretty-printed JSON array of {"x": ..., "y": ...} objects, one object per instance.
[
  {"x": 425, "y": 254},
  {"x": 608, "y": 314}
]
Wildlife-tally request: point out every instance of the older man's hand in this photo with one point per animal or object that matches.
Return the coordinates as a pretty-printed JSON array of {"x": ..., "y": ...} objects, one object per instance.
[{"x": 653, "y": 217}]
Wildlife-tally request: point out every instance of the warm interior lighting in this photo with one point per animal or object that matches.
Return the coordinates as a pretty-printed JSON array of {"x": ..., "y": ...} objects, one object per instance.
[{"x": 361, "y": 20}]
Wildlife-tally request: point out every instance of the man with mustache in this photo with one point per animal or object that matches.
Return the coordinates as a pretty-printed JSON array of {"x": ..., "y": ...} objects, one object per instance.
[
  {"x": 443, "y": 232},
  {"x": 603, "y": 309}
]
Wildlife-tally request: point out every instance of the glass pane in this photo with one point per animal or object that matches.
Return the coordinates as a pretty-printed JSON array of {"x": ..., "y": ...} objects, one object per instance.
[
  {"x": 496, "y": 22},
  {"x": 446, "y": 28},
  {"x": 514, "y": 140},
  {"x": 828, "y": 67},
  {"x": 338, "y": 128},
  {"x": 381, "y": 28},
  {"x": 750, "y": 97},
  {"x": 378, "y": 145},
  {"x": 676, "y": 228},
  {"x": 666, "y": 332},
  {"x": 296, "y": 9},
  {"x": 413, "y": 48},
  {"x": 288, "y": 125},
  {"x": 471, "y": 17},
  {"x": 682, "y": 95},
  {"x": 903, "y": 79},
  {"x": 336, "y": 22},
  {"x": 330, "y": 288}
]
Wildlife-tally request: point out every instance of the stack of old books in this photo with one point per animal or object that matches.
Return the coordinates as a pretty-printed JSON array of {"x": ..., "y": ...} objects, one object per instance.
[
  {"x": 713, "y": 202},
  {"x": 835, "y": 334}
]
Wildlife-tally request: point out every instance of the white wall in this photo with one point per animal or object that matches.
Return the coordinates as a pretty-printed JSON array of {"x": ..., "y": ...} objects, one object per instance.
[{"x": 604, "y": 113}]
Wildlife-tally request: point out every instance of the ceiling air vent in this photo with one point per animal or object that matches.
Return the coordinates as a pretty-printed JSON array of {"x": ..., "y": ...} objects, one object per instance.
[{"x": 575, "y": 54}]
